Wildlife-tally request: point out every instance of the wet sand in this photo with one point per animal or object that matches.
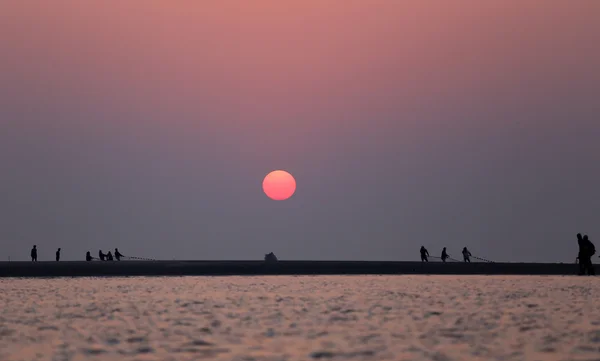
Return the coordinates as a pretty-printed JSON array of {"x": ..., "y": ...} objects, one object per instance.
[
  {"x": 249, "y": 318},
  {"x": 255, "y": 268}
]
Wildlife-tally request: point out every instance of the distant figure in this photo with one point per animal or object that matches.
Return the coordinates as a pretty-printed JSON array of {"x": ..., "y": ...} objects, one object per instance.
[
  {"x": 590, "y": 245},
  {"x": 34, "y": 253},
  {"x": 466, "y": 255},
  {"x": 586, "y": 251},
  {"x": 581, "y": 255},
  {"x": 88, "y": 256},
  {"x": 118, "y": 254},
  {"x": 101, "y": 255},
  {"x": 109, "y": 256},
  {"x": 444, "y": 255},
  {"x": 58, "y": 255},
  {"x": 424, "y": 254},
  {"x": 270, "y": 257}
]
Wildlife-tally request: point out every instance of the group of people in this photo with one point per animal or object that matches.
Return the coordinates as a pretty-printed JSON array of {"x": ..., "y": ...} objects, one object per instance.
[
  {"x": 425, "y": 255},
  {"x": 584, "y": 257},
  {"x": 88, "y": 256},
  {"x": 105, "y": 256}
]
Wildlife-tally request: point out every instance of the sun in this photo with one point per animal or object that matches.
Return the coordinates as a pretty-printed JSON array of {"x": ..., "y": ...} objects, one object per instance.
[{"x": 279, "y": 185}]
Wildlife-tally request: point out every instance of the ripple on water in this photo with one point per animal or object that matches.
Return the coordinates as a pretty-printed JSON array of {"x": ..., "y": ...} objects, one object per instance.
[{"x": 299, "y": 318}]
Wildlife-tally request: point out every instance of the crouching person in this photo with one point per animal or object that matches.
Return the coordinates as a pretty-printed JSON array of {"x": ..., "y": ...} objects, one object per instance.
[{"x": 270, "y": 257}]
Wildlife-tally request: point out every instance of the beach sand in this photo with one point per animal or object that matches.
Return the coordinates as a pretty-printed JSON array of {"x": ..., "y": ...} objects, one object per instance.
[{"x": 301, "y": 318}]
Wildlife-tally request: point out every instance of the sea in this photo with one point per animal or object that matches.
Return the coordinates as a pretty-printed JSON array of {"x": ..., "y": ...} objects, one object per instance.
[{"x": 301, "y": 318}]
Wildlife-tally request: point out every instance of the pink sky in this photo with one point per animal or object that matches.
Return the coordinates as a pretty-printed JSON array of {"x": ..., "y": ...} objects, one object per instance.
[{"x": 367, "y": 90}]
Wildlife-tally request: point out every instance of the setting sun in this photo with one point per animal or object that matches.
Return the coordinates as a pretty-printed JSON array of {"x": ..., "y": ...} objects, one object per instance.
[{"x": 279, "y": 185}]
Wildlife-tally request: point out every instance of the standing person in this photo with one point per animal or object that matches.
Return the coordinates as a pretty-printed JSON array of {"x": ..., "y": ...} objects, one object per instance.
[
  {"x": 109, "y": 256},
  {"x": 589, "y": 251},
  {"x": 34, "y": 253},
  {"x": 88, "y": 256},
  {"x": 424, "y": 254},
  {"x": 58, "y": 255},
  {"x": 101, "y": 255},
  {"x": 444, "y": 255},
  {"x": 581, "y": 255},
  {"x": 466, "y": 255},
  {"x": 118, "y": 254}
]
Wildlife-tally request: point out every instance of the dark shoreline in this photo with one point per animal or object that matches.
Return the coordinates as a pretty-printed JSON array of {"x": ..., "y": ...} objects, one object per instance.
[{"x": 258, "y": 268}]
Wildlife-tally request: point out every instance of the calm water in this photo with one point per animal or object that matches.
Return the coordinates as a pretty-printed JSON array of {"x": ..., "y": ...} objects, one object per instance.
[{"x": 301, "y": 318}]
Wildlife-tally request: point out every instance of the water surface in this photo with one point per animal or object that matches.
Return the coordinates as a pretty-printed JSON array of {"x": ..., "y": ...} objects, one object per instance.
[{"x": 301, "y": 318}]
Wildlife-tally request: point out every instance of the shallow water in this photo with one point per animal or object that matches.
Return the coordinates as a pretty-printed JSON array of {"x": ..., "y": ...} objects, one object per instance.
[{"x": 301, "y": 318}]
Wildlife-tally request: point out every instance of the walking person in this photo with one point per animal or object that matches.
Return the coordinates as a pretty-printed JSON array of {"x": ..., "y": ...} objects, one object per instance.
[
  {"x": 109, "y": 256},
  {"x": 588, "y": 251},
  {"x": 34, "y": 253},
  {"x": 424, "y": 254},
  {"x": 444, "y": 255},
  {"x": 118, "y": 254},
  {"x": 101, "y": 255},
  {"x": 58, "y": 255},
  {"x": 88, "y": 256},
  {"x": 466, "y": 255}
]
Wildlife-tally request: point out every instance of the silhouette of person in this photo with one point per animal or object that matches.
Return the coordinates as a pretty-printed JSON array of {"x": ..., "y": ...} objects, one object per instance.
[
  {"x": 118, "y": 254},
  {"x": 109, "y": 256},
  {"x": 101, "y": 255},
  {"x": 466, "y": 254},
  {"x": 588, "y": 251},
  {"x": 34, "y": 253},
  {"x": 581, "y": 255},
  {"x": 88, "y": 256},
  {"x": 444, "y": 255},
  {"x": 58, "y": 255},
  {"x": 424, "y": 254}
]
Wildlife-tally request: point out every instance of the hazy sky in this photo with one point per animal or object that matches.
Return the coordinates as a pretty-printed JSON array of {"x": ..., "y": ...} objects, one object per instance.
[{"x": 149, "y": 126}]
